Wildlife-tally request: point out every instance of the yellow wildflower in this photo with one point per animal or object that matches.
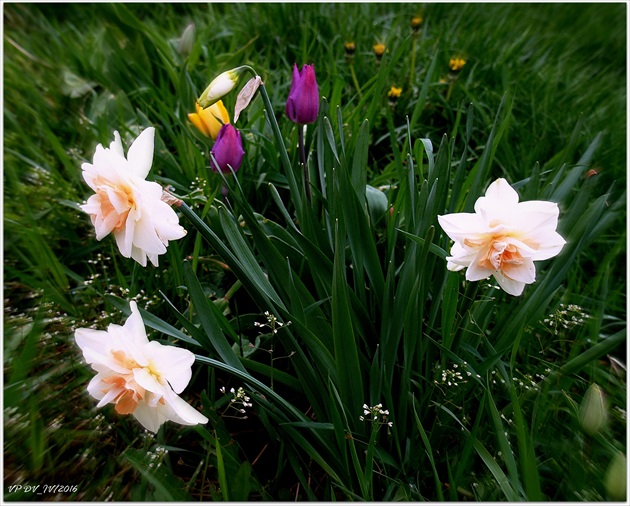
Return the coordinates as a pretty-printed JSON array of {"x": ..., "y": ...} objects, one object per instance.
[
  {"x": 456, "y": 64},
  {"x": 394, "y": 92}
]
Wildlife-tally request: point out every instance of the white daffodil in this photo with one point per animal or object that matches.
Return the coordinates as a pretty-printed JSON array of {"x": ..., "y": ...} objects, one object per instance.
[
  {"x": 126, "y": 204},
  {"x": 140, "y": 377},
  {"x": 503, "y": 237}
]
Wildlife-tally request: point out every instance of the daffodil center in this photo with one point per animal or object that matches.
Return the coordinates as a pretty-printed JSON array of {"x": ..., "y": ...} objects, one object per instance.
[
  {"x": 501, "y": 254},
  {"x": 116, "y": 200},
  {"x": 153, "y": 371}
]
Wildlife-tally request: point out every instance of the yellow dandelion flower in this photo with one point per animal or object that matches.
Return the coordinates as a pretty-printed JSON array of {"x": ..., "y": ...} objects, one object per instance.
[
  {"x": 350, "y": 47},
  {"x": 394, "y": 92},
  {"x": 456, "y": 64},
  {"x": 416, "y": 21},
  {"x": 379, "y": 49}
]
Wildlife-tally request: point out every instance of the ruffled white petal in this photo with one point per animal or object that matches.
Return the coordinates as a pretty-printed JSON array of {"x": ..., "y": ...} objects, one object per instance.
[
  {"x": 524, "y": 272},
  {"x": 150, "y": 417},
  {"x": 460, "y": 226},
  {"x": 500, "y": 191},
  {"x": 510, "y": 286},
  {"x": 181, "y": 412},
  {"x": 116, "y": 146},
  {"x": 535, "y": 216},
  {"x": 476, "y": 271},
  {"x": 146, "y": 236},
  {"x": 93, "y": 343},
  {"x": 173, "y": 363},
  {"x": 140, "y": 154},
  {"x": 551, "y": 246},
  {"x": 148, "y": 381}
]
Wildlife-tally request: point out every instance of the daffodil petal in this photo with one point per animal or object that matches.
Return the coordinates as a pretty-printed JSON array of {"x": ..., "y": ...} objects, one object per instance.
[
  {"x": 150, "y": 418},
  {"x": 175, "y": 362},
  {"x": 140, "y": 154},
  {"x": 461, "y": 226},
  {"x": 510, "y": 286}
]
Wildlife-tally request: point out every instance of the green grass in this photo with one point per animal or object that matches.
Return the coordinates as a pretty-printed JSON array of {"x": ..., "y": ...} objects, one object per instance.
[{"x": 483, "y": 389}]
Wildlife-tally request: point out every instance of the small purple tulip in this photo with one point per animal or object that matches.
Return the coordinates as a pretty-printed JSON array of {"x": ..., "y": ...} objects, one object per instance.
[
  {"x": 303, "y": 102},
  {"x": 227, "y": 149}
]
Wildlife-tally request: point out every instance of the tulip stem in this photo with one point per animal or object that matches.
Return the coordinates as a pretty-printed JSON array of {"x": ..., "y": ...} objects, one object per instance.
[
  {"x": 307, "y": 183},
  {"x": 284, "y": 155}
]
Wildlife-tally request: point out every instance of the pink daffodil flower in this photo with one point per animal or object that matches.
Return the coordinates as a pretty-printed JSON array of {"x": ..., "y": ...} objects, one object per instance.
[
  {"x": 127, "y": 205},
  {"x": 139, "y": 377},
  {"x": 503, "y": 237}
]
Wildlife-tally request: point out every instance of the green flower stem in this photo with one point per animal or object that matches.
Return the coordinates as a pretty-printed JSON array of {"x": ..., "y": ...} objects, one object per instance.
[
  {"x": 413, "y": 60},
  {"x": 284, "y": 156},
  {"x": 369, "y": 459},
  {"x": 307, "y": 182},
  {"x": 355, "y": 81}
]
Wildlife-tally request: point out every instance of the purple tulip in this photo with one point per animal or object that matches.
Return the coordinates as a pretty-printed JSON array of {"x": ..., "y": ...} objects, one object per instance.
[
  {"x": 303, "y": 102},
  {"x": 228, "y": 149}
]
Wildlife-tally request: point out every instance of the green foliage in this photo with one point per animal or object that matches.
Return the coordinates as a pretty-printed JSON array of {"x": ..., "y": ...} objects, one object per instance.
[{"x": 317, "y": 308}]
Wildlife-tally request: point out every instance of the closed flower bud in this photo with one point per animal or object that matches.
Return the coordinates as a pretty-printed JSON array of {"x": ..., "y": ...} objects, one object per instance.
[
  {"x": 186, "y": 41},
  {"x": 592, "y": 414},
  {"x": 379, "y": 50},
  {"x": 303, "y": 102},
  {"x": 220, "y": 86},
  {"x": 227, "y": 150},
  {"x": 210, "y": 120},
  {"x": 615, "y": 479}
]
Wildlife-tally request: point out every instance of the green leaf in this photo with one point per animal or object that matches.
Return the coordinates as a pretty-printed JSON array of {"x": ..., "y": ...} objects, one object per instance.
[
  {"x": 433, "y": 248},
  {"x": 209, "y": 323},
  {"x": 360, "y": 161},
  {"x": 496, "y": 470},
  {"x": 506, "y": 450},
  {"x": 429, "y": 452},
  {"x": 346, "y": 352},
  {"x": 246, "y": 258},
  {"x": 167, "y": 486},
  {"x": 239, "y": 483},
  {"x": 152, "y": 321}
]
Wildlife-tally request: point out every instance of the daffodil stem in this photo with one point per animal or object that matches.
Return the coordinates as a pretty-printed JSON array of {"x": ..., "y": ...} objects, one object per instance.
[{"x": 307, "y": 182}]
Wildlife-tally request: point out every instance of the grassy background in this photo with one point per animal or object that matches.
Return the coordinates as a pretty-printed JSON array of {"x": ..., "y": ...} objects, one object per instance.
[{"x": 75, "y": 73}]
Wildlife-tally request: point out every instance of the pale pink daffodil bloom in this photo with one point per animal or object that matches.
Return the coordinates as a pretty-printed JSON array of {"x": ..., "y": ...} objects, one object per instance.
[
  {"x": 127, "y": 205},
  {"x": 139, "y": 376},
  {"x": 503, "y": 237}
]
